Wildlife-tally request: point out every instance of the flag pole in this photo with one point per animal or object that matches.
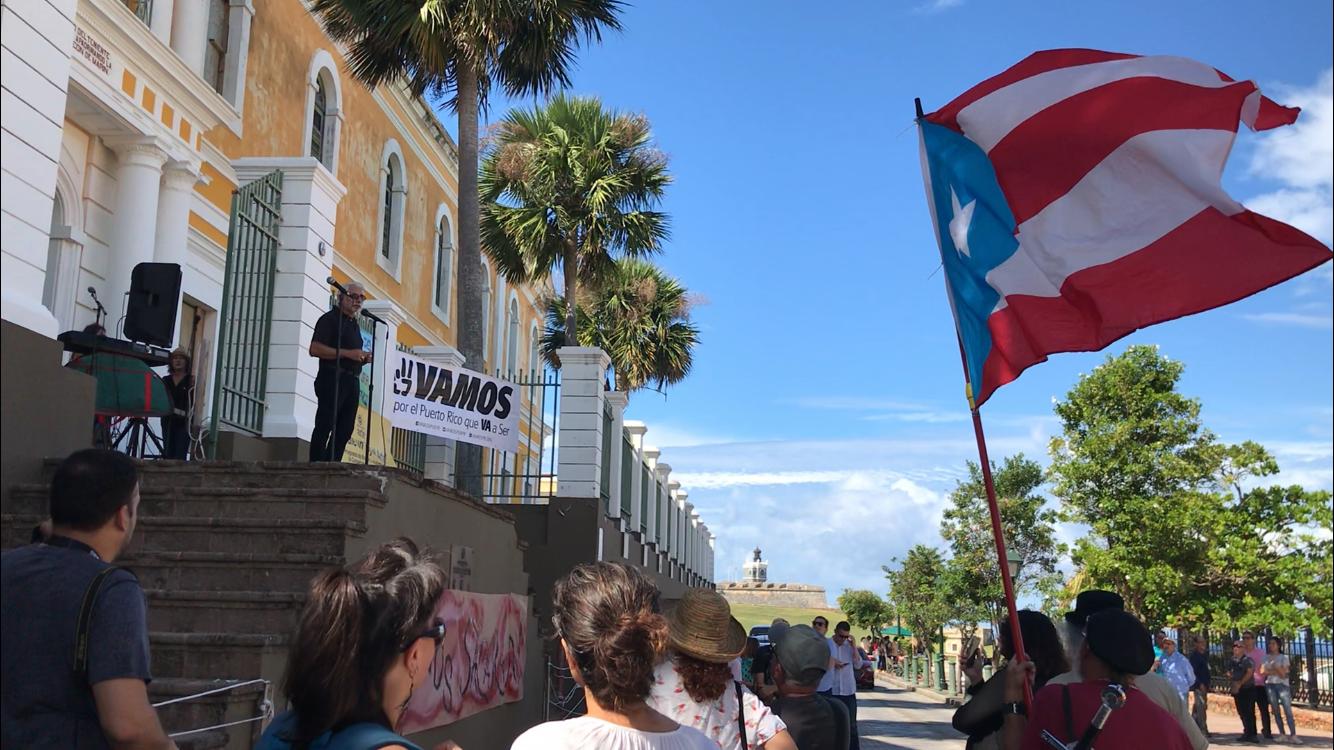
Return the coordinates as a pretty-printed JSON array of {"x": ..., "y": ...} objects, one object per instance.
[{"x": 993, "y": 508}]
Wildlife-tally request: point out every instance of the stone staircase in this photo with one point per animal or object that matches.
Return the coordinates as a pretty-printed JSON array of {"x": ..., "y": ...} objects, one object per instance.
[{"x": 225, "y": 552}]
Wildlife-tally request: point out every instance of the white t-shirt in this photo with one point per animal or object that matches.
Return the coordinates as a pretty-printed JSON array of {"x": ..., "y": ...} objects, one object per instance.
[
  {"x": 588, "y": 733},
  {"x": 718, "y": 718}
]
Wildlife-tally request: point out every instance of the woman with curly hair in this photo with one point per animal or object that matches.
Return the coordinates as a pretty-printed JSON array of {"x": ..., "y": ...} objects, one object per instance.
[
  {"x": 606, "y": 617},
  {"x": 695, "y": 685}
]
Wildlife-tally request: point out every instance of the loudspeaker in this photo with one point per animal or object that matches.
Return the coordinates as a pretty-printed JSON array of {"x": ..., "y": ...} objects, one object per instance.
[{"x": 155, "y": 294}]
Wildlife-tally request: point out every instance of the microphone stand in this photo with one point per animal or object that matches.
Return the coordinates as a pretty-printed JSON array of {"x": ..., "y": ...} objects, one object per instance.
[{"x": 338, "y": 375}]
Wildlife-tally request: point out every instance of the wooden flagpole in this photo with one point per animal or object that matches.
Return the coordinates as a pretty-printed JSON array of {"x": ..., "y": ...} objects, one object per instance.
[{"x": 1002, "y": 559}]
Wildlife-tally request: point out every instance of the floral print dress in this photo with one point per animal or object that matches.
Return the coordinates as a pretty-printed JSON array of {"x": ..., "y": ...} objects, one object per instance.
[{"x": 716, "y": 719}]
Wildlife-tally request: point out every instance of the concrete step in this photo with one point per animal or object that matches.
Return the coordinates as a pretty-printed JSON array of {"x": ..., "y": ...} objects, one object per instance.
[
  {"x": 191, "y": 654},
  {"x": 253, "y": 474},
  {"x": 311, "y": 536},
  {"x": 245, "y": 701},
  {"x": 224, "y": 502},
  {"x": 223, "y": 611},
  {"x": 228, "y": 571}
]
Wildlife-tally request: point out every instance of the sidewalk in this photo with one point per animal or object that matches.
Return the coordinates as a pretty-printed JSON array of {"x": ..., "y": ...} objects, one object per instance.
[{"x": 1225, "y": 728}]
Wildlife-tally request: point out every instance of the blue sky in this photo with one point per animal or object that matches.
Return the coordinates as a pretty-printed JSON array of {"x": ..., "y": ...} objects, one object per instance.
[{"x": 824, "y": 419}]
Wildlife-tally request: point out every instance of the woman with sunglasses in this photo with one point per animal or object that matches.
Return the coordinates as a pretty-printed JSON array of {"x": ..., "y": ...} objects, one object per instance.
[
  {"x": 364, "y": 642},
  {"x": 606, "y": 617}
]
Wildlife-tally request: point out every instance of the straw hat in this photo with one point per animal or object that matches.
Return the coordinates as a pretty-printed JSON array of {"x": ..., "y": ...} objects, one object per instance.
[{"x": 702, "y": 626}]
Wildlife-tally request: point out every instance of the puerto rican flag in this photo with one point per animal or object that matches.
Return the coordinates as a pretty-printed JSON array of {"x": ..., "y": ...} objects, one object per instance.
[{"x": 1076, "y": 198}]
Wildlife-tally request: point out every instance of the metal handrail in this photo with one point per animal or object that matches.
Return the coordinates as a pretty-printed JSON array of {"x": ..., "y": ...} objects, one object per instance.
[{"x": 265, "y": 706}]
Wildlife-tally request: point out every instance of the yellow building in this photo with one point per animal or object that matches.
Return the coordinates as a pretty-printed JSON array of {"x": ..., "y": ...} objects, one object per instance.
[{"x": 226, "y": 136}]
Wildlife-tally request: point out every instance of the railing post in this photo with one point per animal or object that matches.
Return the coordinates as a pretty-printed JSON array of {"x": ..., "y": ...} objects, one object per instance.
[
  {"x": 1312, "y": 683},
  {"x": 617, "y": 400},
  {"x": 440, "y": 451},
  {"x": 579, "y": 469}
]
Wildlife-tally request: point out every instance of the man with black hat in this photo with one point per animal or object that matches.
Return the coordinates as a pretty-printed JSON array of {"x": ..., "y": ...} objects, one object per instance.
[
  {"x": 1154, "y": 686},
  {"x": 816, "y": 722},
  {"x": 1114, "y": 651}
]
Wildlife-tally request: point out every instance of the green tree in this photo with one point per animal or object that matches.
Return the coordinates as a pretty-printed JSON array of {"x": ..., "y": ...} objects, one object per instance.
[
  {"x": 573, "y": 185},
  {"x": 640, "y": 317},
  {"x": 458, "y": 49},
  {"x": 1028, "y": 527},
  {"x": 1178, "y": 524},
  {"x": 864, "y": 609},
  {"x": 917, "y": 589}
]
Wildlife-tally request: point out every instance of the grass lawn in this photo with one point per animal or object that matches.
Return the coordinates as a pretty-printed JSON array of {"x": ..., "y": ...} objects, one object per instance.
[{"x": 759, "y": 614}]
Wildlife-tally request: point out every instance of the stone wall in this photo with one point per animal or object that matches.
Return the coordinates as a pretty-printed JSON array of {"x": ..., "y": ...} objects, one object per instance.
[{"x": 776, "y": 595}]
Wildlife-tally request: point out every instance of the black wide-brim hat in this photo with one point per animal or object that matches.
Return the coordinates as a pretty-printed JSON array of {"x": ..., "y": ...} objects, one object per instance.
[
  {"x": 1091, "y": 601},
  {"x": 1119, "y": 639}
]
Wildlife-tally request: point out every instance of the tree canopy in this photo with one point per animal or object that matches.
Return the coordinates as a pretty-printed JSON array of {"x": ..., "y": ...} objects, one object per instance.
[
  {"x": 865, "y": 610},
  {"x": 916, "y": 587}
]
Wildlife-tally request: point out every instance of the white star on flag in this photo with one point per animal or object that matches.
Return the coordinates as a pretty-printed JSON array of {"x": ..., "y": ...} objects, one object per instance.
[{"x": 963, "y": 217}]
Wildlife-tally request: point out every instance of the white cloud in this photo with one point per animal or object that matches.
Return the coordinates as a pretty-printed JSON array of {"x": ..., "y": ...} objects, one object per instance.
[
  {"x": 1301, "y": 158},
  {"x": 935, "y": 6},
  {"x": 1303, "y": 320}
]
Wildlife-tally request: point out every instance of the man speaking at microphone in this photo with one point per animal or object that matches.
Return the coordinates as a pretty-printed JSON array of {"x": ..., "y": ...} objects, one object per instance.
[{"x": 337, "y": 344}]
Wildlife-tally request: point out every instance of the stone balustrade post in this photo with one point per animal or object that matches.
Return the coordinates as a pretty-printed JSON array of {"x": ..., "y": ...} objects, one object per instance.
[
  {"x": 579, "y": 468},
  {"x": 440, "y": 451},
  {"x": 617, "y": 400}
]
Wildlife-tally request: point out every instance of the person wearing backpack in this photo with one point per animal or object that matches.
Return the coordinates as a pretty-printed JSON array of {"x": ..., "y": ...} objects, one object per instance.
[{"x": 74, "y": 663}]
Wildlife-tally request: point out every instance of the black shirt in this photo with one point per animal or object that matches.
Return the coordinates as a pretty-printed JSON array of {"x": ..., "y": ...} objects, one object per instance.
[
  {"x": 327, "y": 330},
  {"x": 815, "y": 722},
  {"x": 179, "y": 393},
  {"x": 1200, "y": 663}
]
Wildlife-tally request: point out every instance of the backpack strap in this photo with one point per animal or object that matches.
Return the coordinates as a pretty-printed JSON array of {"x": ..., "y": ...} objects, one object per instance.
[
  {"x": 741, "y": 715},
  {"x": 367, "y": 736},
  {"x": 85, "y": 621},
  {"x": 1069, "y": 713}
]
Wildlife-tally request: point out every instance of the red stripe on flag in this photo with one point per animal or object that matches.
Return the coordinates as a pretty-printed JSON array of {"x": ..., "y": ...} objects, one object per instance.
[
  {"x": 148, "y": 392},
  {"x": 1034, "y": 64},
  {"x": 1045, "y": 156},
  {"x": 1209, "y": 261}
]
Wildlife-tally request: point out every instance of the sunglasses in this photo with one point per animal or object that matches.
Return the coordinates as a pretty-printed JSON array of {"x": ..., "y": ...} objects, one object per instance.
[
  {"x": 436, "y": 633},
  {"x": 820, "y": 624},
  {"x": 356, "y": 297}
]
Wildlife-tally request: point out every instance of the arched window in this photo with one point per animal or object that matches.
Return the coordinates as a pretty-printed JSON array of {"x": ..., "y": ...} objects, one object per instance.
[
  {"x": 393, "y": 189},
  {"x": 444, "y": 265},
  {"x": 317, "y": 120},
  {"x": 512, "y": 336},
  {"x": 323, "y": 110}
]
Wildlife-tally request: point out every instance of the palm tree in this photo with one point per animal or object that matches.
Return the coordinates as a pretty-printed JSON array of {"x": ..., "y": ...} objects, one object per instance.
[
  {"x": 459, "y": 48},
  {"x": 573, "y": 185},
  {"x": 640, "y": 316}
]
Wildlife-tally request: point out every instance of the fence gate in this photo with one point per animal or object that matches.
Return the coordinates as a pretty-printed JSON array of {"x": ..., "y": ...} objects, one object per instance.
[{"x": 247, "y": 308}]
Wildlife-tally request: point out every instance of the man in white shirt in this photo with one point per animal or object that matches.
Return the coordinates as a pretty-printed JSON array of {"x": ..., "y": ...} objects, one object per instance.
[{"x": 840, "y": 681}]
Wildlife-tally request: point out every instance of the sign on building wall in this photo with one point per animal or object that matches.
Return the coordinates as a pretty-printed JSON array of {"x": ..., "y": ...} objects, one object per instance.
[
  {"x": 479, "y": 665},
  {"x": 368, "y": 413},
  {"x": 454, "y": 403}
]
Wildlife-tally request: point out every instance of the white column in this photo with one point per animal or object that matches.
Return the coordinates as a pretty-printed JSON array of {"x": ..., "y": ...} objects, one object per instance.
[
  {"x": 709, "y": 569},
  {"x": 684, "y": 526},
  {"x": 160, "y": 22},
  {"x": 189, "y": 32},
  {"x": 36, "y": 36},
  {"x": 300, "y": 295},
  {"x": 173, "y": 215},
  {"x": 134, "y": 224},
  {"x": 668, "y": 497},
  {"x": 617, "y": 400},
  {"x": 694, "y": 543},
  {"x": 636, "y": 432},
  {"x": 650, "y": 460},
  {"x": 579, "y": 473},
  {"x": 440, "y": 451},
  {"x": 661, "y": 473}
]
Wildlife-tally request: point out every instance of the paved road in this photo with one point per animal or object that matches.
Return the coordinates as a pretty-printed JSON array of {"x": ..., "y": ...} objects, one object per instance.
[{"x": 895, "y": 719}]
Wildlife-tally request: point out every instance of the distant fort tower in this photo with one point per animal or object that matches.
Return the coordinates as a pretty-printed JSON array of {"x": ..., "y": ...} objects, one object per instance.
[{"x": 755, "y": 588}]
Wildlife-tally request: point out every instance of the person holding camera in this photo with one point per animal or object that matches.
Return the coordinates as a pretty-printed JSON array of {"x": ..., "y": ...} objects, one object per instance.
[{"x": 982, "y": 718}]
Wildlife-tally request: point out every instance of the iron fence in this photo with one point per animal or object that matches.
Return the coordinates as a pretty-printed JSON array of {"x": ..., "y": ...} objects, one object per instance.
[
  {"x": 247, "y": 307},
  {"x": 1311, "y": 659},
  {"x": 528, "y": 476}
]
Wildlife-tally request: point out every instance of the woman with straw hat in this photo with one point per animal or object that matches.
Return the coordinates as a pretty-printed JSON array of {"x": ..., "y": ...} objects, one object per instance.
[{"x": 694, "y": 685}]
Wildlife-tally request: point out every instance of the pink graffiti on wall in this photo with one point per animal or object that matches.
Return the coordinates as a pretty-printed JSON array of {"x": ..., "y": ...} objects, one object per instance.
[{"x": 480, "y": 663}]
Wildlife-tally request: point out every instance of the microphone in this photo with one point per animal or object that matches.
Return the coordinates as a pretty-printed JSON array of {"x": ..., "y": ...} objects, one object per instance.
[
  {"x": 92, "y": 292},
  {"x": 334, "y": 282},
  {"x": 368, "y": 314}
]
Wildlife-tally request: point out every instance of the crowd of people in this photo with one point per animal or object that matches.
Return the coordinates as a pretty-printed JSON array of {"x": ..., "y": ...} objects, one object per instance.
[{"x": 75, "y": 662}]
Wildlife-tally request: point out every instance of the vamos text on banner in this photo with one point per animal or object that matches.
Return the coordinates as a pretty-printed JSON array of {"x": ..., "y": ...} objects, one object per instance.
[{"x": 454, "y": 403}]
